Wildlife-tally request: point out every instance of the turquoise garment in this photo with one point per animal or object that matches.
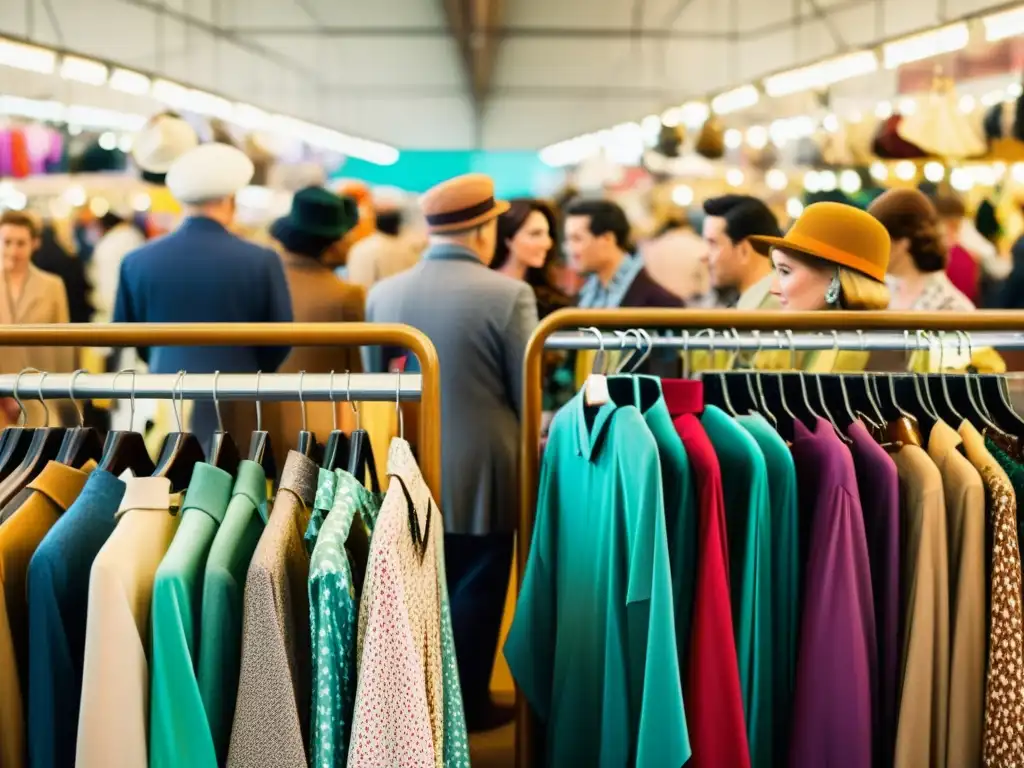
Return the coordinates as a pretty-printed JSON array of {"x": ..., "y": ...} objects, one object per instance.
[
  {"x": 747, "y": 518},
  {"x": 785, "y": 572},
  {"x": 456, "y": 735},
  {"x": 593, "y": 643},
  {"x": 325, "y": 485},
  {"x": 179, "y": 733},
  {"x": 333, "y": 617},
  {"x": 220, "y": 641},
  {"x": 679, "y": 492}
]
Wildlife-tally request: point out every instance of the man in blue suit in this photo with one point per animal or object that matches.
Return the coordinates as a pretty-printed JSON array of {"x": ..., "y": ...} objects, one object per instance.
[{"x": 202, "y": 273}]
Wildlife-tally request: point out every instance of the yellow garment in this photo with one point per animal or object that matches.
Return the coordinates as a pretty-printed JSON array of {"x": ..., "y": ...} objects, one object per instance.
[{"x": 53, "y": 492}]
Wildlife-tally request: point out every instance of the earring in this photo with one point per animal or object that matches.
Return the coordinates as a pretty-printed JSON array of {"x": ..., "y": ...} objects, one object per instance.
[{"x": 832, "y": 292}]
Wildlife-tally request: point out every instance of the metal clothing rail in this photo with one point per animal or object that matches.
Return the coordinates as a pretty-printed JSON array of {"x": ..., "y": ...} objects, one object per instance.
[
  {"x": 207, "y": 386},
  {"x": 374, "y": 387},
  {"x": 846, "y": 323}
]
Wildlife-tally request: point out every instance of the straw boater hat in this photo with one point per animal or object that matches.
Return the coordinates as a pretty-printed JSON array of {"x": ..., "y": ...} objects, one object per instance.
[
  {"x": 839, "y": 234},
  {"x": 162, "y": 140},
  {"x": 462, "y": 203}
]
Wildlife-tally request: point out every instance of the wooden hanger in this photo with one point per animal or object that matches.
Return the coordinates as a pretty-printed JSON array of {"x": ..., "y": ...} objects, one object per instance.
[
  {"x": 307, "y": 444},
  {"x": 181, "y": 450},
  {"x": 126, "y": 449},
  {"x": 337, "y": 451}
]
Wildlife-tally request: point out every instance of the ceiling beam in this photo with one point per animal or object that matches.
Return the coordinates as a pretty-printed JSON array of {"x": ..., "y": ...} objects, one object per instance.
[{"x": 504, "y": 33}]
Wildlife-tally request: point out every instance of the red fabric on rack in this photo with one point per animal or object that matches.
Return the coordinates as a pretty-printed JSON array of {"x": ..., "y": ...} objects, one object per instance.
[
  {"x": 714, "y": 702},
  {"x": 20, "y": 165}
]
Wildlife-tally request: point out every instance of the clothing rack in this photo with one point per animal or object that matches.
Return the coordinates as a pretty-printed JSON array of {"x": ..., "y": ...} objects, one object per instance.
[
  {"x": 424, "y": 386},
  {"x": 1002, "y": 329}
]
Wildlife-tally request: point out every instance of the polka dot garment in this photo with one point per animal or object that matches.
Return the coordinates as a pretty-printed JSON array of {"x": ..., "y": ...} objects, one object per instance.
[{"x": 1004, "y": 694}]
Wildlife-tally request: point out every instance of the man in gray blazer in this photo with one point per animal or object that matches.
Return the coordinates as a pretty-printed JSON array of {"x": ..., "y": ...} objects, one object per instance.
[{"x": 480, "y": 321}]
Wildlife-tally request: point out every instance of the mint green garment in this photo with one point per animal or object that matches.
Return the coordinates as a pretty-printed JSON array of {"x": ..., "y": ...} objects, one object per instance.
[
  {"x": 325, "y": 484},
  {"x": 456, "y": 735},
  {"x": 593, "y": 642},
  {"x": 679, "y": 491},
  {"x": 333, "y": 617},
  {"x": 785, "y": 571},
  {"x": 748, "y": 524},
  {"x": 179, "y": 733},
  {"x": 220, "y": 641}
]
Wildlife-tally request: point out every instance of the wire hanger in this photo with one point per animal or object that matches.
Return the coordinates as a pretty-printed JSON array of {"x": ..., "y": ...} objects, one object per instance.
[
  {"x": 398, "y": 405},
  {"x": 307, "y": 444},
  {"x": 44, "y": 447},
  {"x": 982, "y": 414},
  {"x": 847, "y": 405},
  {"x": 337, "y": 450},
  {"x": 18, "y": 438},
  {"x": 348, "y": 396},
  {"x": 360, "y": 456},
  {"x": 870, "y": 389},
  {"x": 623, "y": 335},
  {"x": 81, "y": 443},
  {"x": 760, "y": 400},
  {"x": 712, "y": 366},
  {"x": 801, "y": 376},
  {"x": 782, "y": 390},
  {"x": 261, "y": 449}
]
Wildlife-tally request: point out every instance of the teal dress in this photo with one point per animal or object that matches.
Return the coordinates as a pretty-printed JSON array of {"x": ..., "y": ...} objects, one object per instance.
[
  {"x": 220, "y": 641},
  {"x": 179, "y": 730},
  {"x": 748, "y": 523},
  {"x": 593, "y": 642},
  {"x": 1015, "y": 471},
  {"x": 334, "y": 615},
  {"x": 785, "y": 571},
  {"x": 326, "y": 483}
]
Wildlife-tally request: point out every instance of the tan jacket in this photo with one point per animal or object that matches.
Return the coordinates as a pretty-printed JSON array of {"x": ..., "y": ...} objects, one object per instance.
[
  {"x": 965, "y": 525},
  {"x": 318, "y": 296},
  {"x": 924, "y": 685},
  {"x": 43, "y": 301},
  {"x": 377, "y": 257}
]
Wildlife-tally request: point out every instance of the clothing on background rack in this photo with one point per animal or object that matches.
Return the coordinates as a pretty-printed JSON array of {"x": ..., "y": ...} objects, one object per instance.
[
  {"x": 873, "y": 578},
  {"x": 193, "y": 618}
]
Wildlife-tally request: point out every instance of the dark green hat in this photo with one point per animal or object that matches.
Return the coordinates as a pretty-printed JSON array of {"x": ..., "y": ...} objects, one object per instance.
[{"x": 316, "y": 220}]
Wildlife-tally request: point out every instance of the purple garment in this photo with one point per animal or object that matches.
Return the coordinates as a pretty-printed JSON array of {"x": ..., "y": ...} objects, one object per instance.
[
  {"x": 879, "y": 484},
  {"x": 836, "y": 662}
]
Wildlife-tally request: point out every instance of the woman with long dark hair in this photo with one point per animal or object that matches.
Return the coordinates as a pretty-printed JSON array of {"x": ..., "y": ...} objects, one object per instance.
[{"x": 527, "y": 249}]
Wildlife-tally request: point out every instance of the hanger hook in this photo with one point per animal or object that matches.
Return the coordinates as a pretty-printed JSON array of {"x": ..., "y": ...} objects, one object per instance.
[
  {"x": 302, "y": 402},
  {"x": 623, "y": 335},
  {"x": 42, "y": 378},
  {"x": 23, "y": 416},
  {"x": 259, "y": 406},
  {"x": 179, "y": 387},
  {"x": 71, "y": 396},
  {"x": 334, "y": 407},
  {"x": 649, "y": 347},
  {"x": 600, "y": 352},
  {"x": 398, "y": 403},
  {"x": 131, "y": 410},
  {"x": 835, "y": 348},
  {"x": 792, "y": 350},
  {"x": 216, "y": 402},
  {"x": 348, "y": 395}
]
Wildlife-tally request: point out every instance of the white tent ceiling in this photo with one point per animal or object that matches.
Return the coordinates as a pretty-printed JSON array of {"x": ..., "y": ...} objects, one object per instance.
[{"x": 394, "y": 70}]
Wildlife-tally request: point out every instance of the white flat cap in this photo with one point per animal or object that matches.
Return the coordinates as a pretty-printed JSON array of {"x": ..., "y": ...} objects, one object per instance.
[
  {"x": 162, "y": 141},
  {"x": 209, "y": 172}
]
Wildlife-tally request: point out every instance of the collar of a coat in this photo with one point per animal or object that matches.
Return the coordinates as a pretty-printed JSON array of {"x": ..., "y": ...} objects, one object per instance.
[
  {"x": 202, "y": 224},
  {"x": 450, "y": 252}
]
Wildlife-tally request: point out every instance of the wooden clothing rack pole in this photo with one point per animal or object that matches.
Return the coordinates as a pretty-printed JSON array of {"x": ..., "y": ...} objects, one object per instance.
[
  {"x": 265, "y": 335},
  {"x": 727, "y": 319}
]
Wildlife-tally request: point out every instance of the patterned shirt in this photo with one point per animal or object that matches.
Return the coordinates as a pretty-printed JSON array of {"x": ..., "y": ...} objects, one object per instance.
[
  {"x": 938, "y": 294},
  {"x": 333, "y": 611}
]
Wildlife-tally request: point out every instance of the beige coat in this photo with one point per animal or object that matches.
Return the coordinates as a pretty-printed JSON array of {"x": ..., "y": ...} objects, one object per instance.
[
  {"x": 43, "y": 301},
  {"x": 318, "y": 296}
]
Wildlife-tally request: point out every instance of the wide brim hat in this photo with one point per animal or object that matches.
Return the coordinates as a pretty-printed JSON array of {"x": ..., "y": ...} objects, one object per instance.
[
  {"x": 462, "y": 203},
  {"x": 209, "y": 172},
  {"x": 161, "y": 141},
  {"x": 317, "y": 216},
  {"x": 839, "y": 234}
]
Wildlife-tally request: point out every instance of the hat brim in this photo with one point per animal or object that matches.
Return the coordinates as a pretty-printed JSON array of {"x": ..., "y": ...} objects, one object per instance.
[
  {"x": 849, "y": 261},
  {"x": 500, "y": 207},
  {"x": 285, "y": 225}
]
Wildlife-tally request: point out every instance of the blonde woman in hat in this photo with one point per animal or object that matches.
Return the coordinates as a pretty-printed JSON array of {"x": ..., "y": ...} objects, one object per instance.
[
  {"x": 479, "y": 321},
  {"x": 834, "y": 257}
]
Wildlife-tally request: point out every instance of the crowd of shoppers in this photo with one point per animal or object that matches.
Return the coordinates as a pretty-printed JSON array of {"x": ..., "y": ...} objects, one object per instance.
[{"x": 490, "y": 271}]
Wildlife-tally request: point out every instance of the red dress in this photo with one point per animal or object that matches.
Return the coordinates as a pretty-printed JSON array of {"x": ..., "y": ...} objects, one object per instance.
[{"x": 714, "y": 702}]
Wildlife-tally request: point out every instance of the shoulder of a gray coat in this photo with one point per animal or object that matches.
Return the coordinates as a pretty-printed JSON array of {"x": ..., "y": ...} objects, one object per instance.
[{"x": 300, "y": 476}]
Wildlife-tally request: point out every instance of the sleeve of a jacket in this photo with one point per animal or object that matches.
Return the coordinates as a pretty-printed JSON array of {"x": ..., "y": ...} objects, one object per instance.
[
  {"x": 12, "y": 717},
  {"x": 360, "y": 266},
  {"x": 521, "y": 323},
  {"x": 126, "y": 309},
  {"x": 279, "y": 311}
]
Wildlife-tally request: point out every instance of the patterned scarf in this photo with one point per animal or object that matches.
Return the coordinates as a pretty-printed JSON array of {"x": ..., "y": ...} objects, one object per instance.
[{"x": 593, "y": 295}]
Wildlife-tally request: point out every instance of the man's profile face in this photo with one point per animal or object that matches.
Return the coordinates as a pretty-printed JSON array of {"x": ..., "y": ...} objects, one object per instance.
[{"x": 722, "y": 255}]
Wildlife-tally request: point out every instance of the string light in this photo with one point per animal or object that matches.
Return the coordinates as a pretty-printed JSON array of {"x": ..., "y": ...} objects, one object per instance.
[
  {"x": 794, "y": 207},
  {"x": 682, "y": 195},
  {"x": 776, "y": 179},
  {"x": 934, "y": 172},
  {"x": 905, "y": 170}
]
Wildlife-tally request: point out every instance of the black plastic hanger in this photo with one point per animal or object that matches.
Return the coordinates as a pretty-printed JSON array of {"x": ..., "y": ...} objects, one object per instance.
[
  {"x": 18, "y": 438},
  {"x": 43, "y": 449},
  {"x": 307, "y": 444},
  {"x": 992, "y": 389},
  {"x": 261, "y": 448},
  {"x": 337, "y": 450},
  {"x": 181, "y": 450},
  {"x": 81, "y": 443},
  {"x": 223, "y": 450},
  {"x": 126, "y": 449}
]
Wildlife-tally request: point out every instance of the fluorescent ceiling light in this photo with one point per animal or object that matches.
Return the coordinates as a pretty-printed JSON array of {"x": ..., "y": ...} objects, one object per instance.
[
  {"x": 1000, "y": 26},
  {"x": 821, "y": 75},
  {"x": 126, "y": 81},
  {"x": 925, "y": 45},
  {"x": 204, "y": 103},
  {"x": 735, "y": 100},
  {"x": 253, "y": 118},
  {"x": 28, "y": 57},
  {"x": 169, "y": 93},
  {"x": 694, "y": 113},
  {"x": 83, "y": 70},
  {"x": 52, "y": 111}
]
